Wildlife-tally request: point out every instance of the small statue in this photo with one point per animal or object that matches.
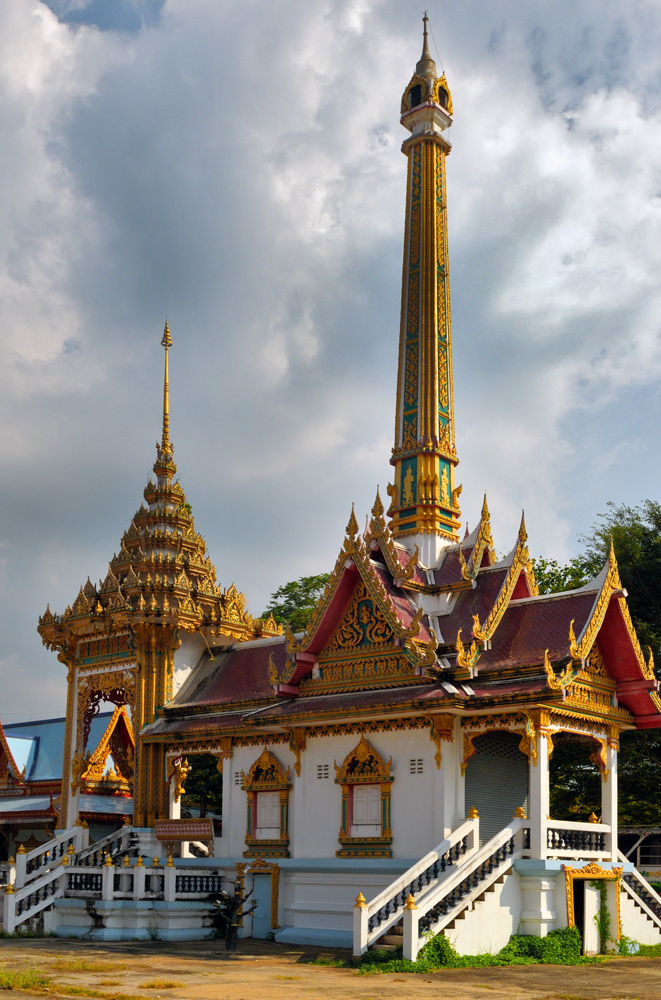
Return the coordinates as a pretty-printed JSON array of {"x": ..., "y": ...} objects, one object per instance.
[
  {"x": 230, "y": 909},
  {"x": 181, "y": 771}
]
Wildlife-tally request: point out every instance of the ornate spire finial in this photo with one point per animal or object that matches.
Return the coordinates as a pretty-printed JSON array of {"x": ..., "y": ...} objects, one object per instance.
[
  {"x": 352, "y": 526},
  {"x": 166, "y": 342},
  {"x": 426, "y": 66}
]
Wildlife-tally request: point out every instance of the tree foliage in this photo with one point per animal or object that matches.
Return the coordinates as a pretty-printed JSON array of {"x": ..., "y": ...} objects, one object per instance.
[
  {"x": 575, "y": 781},
  {"x": 204, "y": 785},
  {"x": 294, "y": 602},
  {"x": 636, "y": 535}
]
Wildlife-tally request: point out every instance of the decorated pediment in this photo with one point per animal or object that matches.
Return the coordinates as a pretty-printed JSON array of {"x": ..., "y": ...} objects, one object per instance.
[
  {"x": 363, "y": 626},
  {"x": 110, "y": 766}
]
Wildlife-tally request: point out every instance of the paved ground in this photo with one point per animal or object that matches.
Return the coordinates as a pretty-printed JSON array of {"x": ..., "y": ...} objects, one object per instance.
[{"x": 265, "y": 971}]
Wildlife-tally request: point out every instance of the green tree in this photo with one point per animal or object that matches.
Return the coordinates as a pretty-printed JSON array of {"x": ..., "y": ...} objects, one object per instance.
[
  {"x": 294, "y": 602},
  {"x": 204, "y": 785},
  {"x": 636, "y": 535},
  {"x": 575, "y": 781},
  {"x": 551, "y": 577}
]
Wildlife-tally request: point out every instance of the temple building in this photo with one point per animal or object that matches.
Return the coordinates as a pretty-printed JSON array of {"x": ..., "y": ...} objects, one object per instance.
[{"x": 386, "y": 771}]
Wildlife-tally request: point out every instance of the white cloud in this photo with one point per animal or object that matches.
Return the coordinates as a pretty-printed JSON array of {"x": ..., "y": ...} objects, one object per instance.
[{"x": 236, "y": 167}]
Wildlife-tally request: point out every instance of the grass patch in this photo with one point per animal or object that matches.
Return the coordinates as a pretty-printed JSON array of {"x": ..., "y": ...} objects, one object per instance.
[
  {"x": 650, "y": 950},
  {"x": 560, "y": 947},
  {"x": 161, "y": 984},
  {"x": 28, "y": 980},
  {"x": 338, "y": 963},
  {"x": 110, "y": 982},
  {"x": 86, "y": 965},
  {"x": 84, "y": 991}
]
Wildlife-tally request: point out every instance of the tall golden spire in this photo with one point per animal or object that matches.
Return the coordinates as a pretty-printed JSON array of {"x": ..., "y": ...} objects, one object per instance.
[
  {"x": 424, "y": 499},
  {"x": 166, "y": 342},
  {"x": 164, "y": 466}
]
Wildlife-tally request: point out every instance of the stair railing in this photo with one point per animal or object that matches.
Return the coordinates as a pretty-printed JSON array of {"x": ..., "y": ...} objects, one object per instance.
[
  {"x": 21, "y": 904},
  {"x": 373, "y": 919},
  {"x": 637, "y": 886},
  {"x": 31, "y": 865},
  {"x": 445, "y": 901},
  {"x": 116, "y": 843}
]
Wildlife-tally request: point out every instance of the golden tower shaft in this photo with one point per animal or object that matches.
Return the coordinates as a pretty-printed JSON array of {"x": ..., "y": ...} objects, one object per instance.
[{"x": 424, "y": 499}]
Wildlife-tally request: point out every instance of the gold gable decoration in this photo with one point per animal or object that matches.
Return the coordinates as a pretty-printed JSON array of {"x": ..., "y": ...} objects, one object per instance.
[
  {"x": 363, "y": 765},
  {"x": 267, "y": 774},
  {"x": 363, "y": 626},
  {"x": 378, "y": 622}
]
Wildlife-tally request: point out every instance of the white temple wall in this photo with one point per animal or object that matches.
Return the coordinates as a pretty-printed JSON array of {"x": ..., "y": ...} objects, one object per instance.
[
  {"x": 424, "y": 806},
  {"x": 636, "y": 924},
  {"x": 489, "y": 924}
]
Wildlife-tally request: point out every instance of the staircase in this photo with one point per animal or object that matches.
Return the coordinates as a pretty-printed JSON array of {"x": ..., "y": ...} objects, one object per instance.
[
  {"x": 439, "y": 890},
  {"x": 43, "y": 874},
  {"x": 647, "y": 904}
]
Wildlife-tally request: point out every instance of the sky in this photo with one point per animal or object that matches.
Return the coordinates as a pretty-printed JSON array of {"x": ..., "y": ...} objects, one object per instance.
[{"x": 235, "y": 166}]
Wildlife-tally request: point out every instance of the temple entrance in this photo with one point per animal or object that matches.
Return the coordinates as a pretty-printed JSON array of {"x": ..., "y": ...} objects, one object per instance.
[
  {"x": 496, "y": 781},
  {"x": 261, "y": 918}
]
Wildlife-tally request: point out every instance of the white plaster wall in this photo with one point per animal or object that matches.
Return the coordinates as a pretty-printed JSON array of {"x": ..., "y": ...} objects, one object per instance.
[
  {"x": 635, "y": 923},
  {"x": 424, "y": 807},
  {"x": 186, "y": 658},
  {"x": 325, "y": 901},
  {"x": 490, "y": 923}
]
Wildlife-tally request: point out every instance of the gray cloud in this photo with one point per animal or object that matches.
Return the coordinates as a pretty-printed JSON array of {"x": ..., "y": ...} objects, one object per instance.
[{"x": 236, "y": 167}]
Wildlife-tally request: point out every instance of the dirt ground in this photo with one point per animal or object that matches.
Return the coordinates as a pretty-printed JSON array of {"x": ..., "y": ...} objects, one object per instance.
[{"x": 268, "y": 971}]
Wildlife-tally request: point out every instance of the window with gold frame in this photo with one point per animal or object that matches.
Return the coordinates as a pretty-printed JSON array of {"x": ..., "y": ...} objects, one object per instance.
[
  {"x": 365, "y": 779},
  {"x": 267, "y": 786}
]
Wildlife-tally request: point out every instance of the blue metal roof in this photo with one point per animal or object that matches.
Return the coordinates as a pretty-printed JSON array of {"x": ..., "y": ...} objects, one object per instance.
[{"x": 47, "y": 740}]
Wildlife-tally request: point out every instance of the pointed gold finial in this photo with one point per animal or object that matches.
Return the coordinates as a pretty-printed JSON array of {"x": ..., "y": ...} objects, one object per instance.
[
  {"x": 166, "y": 342},
  {"x": 378, "y": 509},
  {"x": 426, "y": 65},
  {"x": 352, "y": 526}
]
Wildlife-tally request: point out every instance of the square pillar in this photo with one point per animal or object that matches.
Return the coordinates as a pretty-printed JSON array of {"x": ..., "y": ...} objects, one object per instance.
[
  {"x": 538, "y": 797},
  {"x": 609, "y": 794}
]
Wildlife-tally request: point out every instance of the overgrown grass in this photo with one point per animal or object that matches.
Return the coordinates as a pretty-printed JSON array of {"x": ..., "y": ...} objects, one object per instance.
[
  {"x": 86, "y": 965},
  {"x": 560, "y": 947},
  {"x": 39, "y": 982},
  {"x": 161, "y": 984},
  {"x": 27, "y": 980},
  {"x": 650, "y": 950}
]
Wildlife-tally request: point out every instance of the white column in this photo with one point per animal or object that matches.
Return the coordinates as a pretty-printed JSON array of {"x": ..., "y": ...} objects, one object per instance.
[
  {"x": 609, "y": 796},
  {"x": 538, "y": 807},
  {"x": 360, "y": 919},
  {"x": 411, "y": 934},
  {"x": 538, "y": 904},
  {"x": 175, "y": 804},
  {"x": 70, "y": 812}
]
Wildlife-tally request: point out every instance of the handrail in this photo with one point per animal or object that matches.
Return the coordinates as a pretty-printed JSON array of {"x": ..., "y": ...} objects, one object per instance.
[
  {"x": 444, "y": 901},
  {"x": 640, "y": 901},
  {"x": 30, "y": 865},
  {"x": 372, "y": 919},
  {"x": 570, "y": 824},
  {"x": 424, "y": 863},
  {"x": 648, "y": 890},
  {"x": 38, "y": 893},
  {"x": 118, "y": 837}
]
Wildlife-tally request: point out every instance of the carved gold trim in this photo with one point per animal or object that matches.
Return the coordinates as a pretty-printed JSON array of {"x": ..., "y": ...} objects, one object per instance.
[
  {"x": 441, "y": 727},
  {"x": 592, "y": 870},
  {"x": 260, "y": 866}
]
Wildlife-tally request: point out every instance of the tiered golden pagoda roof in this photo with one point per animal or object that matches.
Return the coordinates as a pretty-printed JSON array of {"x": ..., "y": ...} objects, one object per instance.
[{"x": 162, "y": 573}]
